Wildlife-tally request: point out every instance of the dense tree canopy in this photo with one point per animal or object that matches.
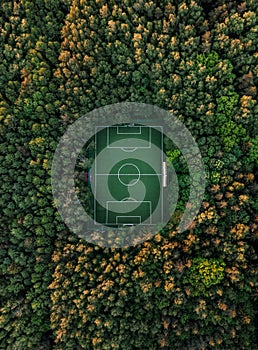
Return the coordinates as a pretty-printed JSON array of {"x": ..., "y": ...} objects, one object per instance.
[{"x": 191, "y": 290}]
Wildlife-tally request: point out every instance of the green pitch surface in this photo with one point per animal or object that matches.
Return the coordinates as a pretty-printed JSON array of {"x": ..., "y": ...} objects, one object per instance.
[{"x": 127, "y": 175}]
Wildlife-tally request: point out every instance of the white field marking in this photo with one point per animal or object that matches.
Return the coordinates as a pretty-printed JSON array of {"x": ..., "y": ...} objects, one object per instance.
[
  {"x": 127, "y": 202},
  {"x": 141, "y": 147},
  {"x": 128, "y": 133},
  {"x": 102, "y": 174},
  {"x": 128, "y": 199},
  {"x": 129, "y": 149},
  {"x": 128, "y": 217},
  {"x": 96, "y": 174},
  {"x": 131, "y": 183}
]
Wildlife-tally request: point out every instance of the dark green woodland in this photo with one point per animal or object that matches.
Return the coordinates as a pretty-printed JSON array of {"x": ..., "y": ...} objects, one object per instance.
[{"x": 195, "y": 290}]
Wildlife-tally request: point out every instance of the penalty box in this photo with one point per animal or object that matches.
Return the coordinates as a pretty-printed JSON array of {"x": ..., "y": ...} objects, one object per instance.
[
  {"x": 121, "y": 137},
  {"x": 130, "y": 212}
]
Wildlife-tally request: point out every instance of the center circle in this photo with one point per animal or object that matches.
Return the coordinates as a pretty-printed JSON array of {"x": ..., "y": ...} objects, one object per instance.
[{"x": 129, "y": 174}]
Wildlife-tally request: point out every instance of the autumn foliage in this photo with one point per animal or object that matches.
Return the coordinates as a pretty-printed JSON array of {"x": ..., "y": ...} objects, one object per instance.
[{"x": 191, "y": 290}]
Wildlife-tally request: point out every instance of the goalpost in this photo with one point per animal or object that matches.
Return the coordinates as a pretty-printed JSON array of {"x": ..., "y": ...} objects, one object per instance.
[{"x": 164, "y": 174}]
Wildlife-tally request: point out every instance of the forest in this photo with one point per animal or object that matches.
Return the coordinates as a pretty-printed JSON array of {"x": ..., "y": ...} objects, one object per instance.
[{"x": 191, "y": 290}]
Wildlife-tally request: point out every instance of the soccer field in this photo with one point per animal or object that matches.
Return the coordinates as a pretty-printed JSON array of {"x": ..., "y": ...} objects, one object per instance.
[{"x": 128, "y": 175}]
